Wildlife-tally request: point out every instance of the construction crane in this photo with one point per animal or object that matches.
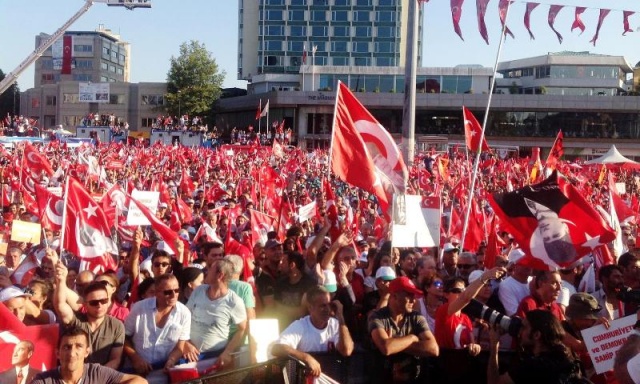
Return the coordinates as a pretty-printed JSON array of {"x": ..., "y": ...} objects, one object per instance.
[{"x": 13, "y": 75}]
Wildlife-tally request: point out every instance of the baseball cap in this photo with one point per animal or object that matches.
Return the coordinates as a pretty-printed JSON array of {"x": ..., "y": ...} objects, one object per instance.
[
  {"x": 330, "y": 281},
  {"x": 11, "y": 292},
  {"x": 448, "y": 247},
  {"x": 163, "y": 205},
  {"x": 385, "y": 273},
  {"x": 475, "y": 275},
  {"x": 516, "y": 255},
  {"x": 583, "y": 306},
  {"x": 404, "y": 284},
  {"x": 272, "y": 243}
]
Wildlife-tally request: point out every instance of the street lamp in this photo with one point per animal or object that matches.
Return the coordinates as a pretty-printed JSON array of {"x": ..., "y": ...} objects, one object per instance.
[{"x": 179, "y": 103}]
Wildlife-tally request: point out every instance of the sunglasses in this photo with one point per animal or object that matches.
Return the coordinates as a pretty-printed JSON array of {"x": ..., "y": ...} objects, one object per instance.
[
  {"x": 159, "y": 264},
  {"x": 169, "y": 292},
  {"x": 455, "y": 290},
  {"x": 466, "y": 266},
  {"x": 95, "y": 303}
]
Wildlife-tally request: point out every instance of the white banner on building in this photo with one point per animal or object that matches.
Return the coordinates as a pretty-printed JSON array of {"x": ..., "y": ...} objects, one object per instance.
[{"x": 94, "y": 92}]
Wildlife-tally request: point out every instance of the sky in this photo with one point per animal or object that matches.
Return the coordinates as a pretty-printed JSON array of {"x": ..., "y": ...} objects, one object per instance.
[{"x": 155, "y": 34}]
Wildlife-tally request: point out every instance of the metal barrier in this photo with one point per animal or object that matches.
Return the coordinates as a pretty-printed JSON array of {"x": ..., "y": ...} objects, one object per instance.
[{"x": 276, "y": 371}]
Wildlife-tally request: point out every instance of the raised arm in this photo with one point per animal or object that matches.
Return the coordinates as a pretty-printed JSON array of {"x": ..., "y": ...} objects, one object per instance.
[
  {"x": 134, "y": 258},
  {"x": 472, "y": 290},
  {"x": 64, "y": 311}
]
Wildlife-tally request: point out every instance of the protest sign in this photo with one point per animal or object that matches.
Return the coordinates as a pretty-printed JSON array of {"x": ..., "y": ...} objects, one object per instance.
[
  {"x": 603, "y": 343},
  {"x": 24, "y": 231},
  {"x": 149, "y": 200},
  {"x": 422, "y": 223},
  {"x": 306, "y": 212}
]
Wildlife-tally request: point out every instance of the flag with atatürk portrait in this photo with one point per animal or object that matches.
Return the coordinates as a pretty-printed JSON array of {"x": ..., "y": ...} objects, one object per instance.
[{"x": 551, "y": 221}]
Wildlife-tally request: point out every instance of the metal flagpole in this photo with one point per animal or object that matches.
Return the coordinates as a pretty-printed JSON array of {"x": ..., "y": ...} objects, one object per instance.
[
  {"x": 410, "y": 68},
  {"x": 484, "y": 127},
  {"x": 333, "y": 127},
  {"x": 64, "y": 215}
]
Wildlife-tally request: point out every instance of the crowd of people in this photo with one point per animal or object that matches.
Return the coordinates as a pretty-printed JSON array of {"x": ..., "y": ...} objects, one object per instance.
[{"x": 334, "y": 280}]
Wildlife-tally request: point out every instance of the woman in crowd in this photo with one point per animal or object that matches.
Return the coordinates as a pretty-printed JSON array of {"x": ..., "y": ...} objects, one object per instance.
[
  {"x": 190, "y": 279},
  {"x": 432, "y": 299}
]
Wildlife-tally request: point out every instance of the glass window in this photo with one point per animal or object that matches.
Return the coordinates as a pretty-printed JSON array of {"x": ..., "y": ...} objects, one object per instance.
[
  {"x": 296, "y": 15},
  {"x": 385, "y": 16},
  {"x": 319, "y": 31},
  {"x": 363, "y": 31},
  {"x": 275, "y": 30},
  {"x": 320, "y": 2},
  {"x": 338, "y": 46},
  {"x": 318, "y": 16},
  {"x": 295, "y": 46},
  {"x": 298, "y": 2},
  {"x": 340, "y": 61},
  {"x": 112, "y": 68},
  {"x": 119, "y": 71},
  {"x": 274, "y": 15},
  {"x": 385, "y": 61},
  {"x": 298, "y": 31},
  {"x": 50, "y": 100},
  {"x": 361, "y": 16},
  {"x": 449, "y": 84},
  {"x": 273, "y": 45},
  {"x": 387, "y": 83},
  {"x": 372, "y": 83},
  {"x": 359, "y": 46},
  {"x": 82, "y": 77},
  {"x": 464, "y": 84},
  {"x": 339, "y": 16},
  {"x": 342, "y": 2},
  {"x": 385, "y": 47},
  {"x": 386, "y": 32},
  {"x": 104, "y": 66},
  {"x": 386, "y": 3},
  {"x": 341, "y": 31},
  {"x": 362, "y": 61},
  {"x": 365, "y": 3},
  {"x": 321, "y": 46},
  {"x": 275, "y": 2}
]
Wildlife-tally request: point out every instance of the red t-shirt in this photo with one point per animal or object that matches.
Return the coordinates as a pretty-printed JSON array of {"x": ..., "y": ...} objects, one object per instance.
[
  {"x": 530, "y": 303},
  {"x": 452, "y": 332}
]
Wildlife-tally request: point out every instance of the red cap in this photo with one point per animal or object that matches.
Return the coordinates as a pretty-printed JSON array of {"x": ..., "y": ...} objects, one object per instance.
[{"x": 404, "y": 284}]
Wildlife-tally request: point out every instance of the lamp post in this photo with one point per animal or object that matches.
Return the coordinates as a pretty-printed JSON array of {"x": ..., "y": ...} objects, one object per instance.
[
  {"x": 15, "y": 92},
  {"x": 179, "y": 103}
]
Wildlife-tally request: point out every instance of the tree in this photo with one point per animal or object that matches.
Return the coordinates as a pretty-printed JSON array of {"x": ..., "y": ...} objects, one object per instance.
[
  {"x": 193, "y": 81},
  {"x": 10, "y": 99}
]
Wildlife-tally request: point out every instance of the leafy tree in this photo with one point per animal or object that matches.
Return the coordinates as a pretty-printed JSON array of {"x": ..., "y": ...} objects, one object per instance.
[
  {"x": 193, "y": 82},
  {"x": 8, "y": 98}
]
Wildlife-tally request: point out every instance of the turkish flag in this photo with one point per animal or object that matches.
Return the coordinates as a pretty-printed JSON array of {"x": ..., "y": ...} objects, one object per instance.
[
  {"x": 186, "y": 183},
  {"x": 261, "y": 224},
  {"x": 551, "y": 19},
  {"x": 30, "y": 202},
  {"x": 5, "y": 190},
  {"x": 551, "y": 221},
  {"x": 556, "y": 152},
  {"x": 527, "y": 18},
  {"x": 456, "y": 14},
  {"x": 51, "y": 208},
  {"x": 208, "y": 232},
  {"x": 424, "y": 180},
  {"x": 472, "y": 132},
  {"x": 363, "y": 153},
  {"x": 492, "y": 251},
  {"x": 475, "y": 228},
  {"x": 577, "y": 22},
  {"x": 35, "y": 161},
  {"x": 503, "y": 5},
  {"x": 603, "y": 14},
  {"x": 87, "y": 232},
  {"x": 622, "y": 210},
  {"x": 625, "y": 22},
  {"x": 481, "y": 10},
  {"x": 67, "y": 54}
]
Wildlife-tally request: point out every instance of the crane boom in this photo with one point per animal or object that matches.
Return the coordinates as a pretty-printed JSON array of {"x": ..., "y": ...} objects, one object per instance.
[{"x": 13, "y": 75}]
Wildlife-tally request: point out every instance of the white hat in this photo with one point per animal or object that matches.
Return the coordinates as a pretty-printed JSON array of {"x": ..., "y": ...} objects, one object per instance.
[
  {"x": 330, "y": 281},
  {"x": 146, "y": 266},
  {"x": 475, "y": 275},
  {"x": 12, "y": 292},
  {"x": 516, "y": 255},
  {"x": 448, "y": 247},
  {"x": 163, "y": 205},
  {"x": 385, "y": 273}
]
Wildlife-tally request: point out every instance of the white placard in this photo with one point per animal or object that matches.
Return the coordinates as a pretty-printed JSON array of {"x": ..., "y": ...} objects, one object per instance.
[
  {"x": 55, "y": 190},
  {"x": 603, "y": 343},
  {"x": 306, "y": 212},
  {"x": 93, "y": 92},
  {"x": 621, "y": 188},
  {"x": 422, "y": 218},
  {"x": 149, "y": 200}
]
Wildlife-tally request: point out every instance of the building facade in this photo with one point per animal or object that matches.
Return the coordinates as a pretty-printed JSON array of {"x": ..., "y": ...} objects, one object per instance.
[{"x": 281, "y": 36}]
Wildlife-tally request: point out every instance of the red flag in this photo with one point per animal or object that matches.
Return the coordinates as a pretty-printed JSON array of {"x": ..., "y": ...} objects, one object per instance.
[
  {"x": 472, "y": 132},
  {"x": 30, "y": 202},
  {"x": 424, "y": 178},
  {"x": 360, "y": 140},
  {"x": 503, "y": 5},
  {"x": 556, "y": 152},
  {"x": 475, "y": 228},
  {"x": 551, "y": 19},
  {"x": 481, "y": 10},
  {"x": 87, "y": 233},
  {"x": 492, "y": 251},
  {"x": 186, "y": 183},
  {"x": 51, "y": 207},
  {"x": 603, "y": 14},
  {"x": 183, "y": 211},
  {"x": 304, "y": 53},
  {"x": 35, "y": 161},
  {"x": 209, "y": 234},
  {"x": 67, "y": 54},
  {"x": 527, "y": 18},
  {"x": 259, "y": 110},
  {"x": 577, "y": 22},
  {"x": 456, "y": 14},
  {"x": 622, "y": 210},
  {"x": 5, "y": 190},
  {"x": 625, "y": 23},
  {"x": 261, "y": 224},
  {"x": 551, "y": 221},
  {"x": 277, "y": 149},
  {"x": 23, "y": 274},
  {"x": 43, "y": 337}
]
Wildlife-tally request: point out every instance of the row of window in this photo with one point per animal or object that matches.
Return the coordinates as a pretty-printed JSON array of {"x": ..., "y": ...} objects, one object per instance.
[
  {"x": 333, "y": 31},
  {"x": 362, "y": 3},
  {"x": 281, "y": 61},
  {"x": 113, "y": 55},
  {"x": 335, "y": 16},
  {"x": 152, "y": 99},
  {"x": 74, "y": 98},
  {"x": 395, "y": 83},
  {"x": 297, "y": 47},
  {"x": 51, "y": 78},
  {"x": 77, "y": 63},
  {"x": 111, "y": 68},
  {"x": 568, "y": 72},
  {"x": 77, "y": 48}
]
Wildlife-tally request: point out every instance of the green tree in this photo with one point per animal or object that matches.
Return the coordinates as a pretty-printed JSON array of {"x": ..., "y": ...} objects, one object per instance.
[
  {"x": 193, "y": 82},
  {"x": 10, "y": 99}
]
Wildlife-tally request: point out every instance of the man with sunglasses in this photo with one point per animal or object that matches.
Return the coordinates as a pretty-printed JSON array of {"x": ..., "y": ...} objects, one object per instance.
[
  {"x": 157, "y": 328},
  {"x": 105, "y": 332}
]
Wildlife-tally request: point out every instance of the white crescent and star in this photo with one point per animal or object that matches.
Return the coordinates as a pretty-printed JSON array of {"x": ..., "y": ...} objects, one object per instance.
[
  {"x": 54, "y": 216},
  {"x": 91, "y": 210}
]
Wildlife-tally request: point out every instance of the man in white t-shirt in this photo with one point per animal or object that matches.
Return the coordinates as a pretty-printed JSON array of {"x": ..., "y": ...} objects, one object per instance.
[
  {"x": 515, "y": 287},
  {"x": 317, "y": 332}
]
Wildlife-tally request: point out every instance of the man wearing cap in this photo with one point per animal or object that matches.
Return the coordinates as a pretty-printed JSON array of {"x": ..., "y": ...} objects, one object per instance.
[
  {"x": 379, "y": 298},
  {"x": 515, "y": 287},
  {"x": 449, "y": 260},
  {"x": 400, "y": 335},
  {"x": 270, "y": 272},
  {"x": 16, "y": 300},
  {"x": 323, "y": 330}
]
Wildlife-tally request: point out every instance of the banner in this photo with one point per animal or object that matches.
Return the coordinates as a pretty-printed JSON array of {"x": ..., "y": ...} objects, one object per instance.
[
  {"x": 603, "y": 343},
  {"x": 42, "y": 339},
  {"x": 149, "y": 200},
  {"x": 422, "y": 218},
  {"x": 94, "y": 92},
  {"x": 24, "y": 231},
  {"x": 306, "y": 212}
]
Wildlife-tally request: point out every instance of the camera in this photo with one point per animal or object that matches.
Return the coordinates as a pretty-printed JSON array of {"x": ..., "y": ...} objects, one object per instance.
[
  {"x": 476, "y": 309},
  {"x": 628, "y": 295}
]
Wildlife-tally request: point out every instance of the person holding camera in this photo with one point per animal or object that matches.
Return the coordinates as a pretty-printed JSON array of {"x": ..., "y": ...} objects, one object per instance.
[
  {"x": 545, "y": 360},
  {"x": 323, "y": 330}
]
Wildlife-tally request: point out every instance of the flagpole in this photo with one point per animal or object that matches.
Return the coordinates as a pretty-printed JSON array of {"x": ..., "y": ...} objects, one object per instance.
[
  {"x": 313, "y": 67},
  {"x": 484, "y": 125},
  {"x": 64, "y": 215},
  {"x": 333, "y": 126},
  {"x": 409, "y": 105}
]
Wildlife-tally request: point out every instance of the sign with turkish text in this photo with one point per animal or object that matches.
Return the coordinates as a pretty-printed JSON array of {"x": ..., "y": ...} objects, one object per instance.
[
  {"x": 603, "y": 343},
  {"x": 149, "y": 200}
]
